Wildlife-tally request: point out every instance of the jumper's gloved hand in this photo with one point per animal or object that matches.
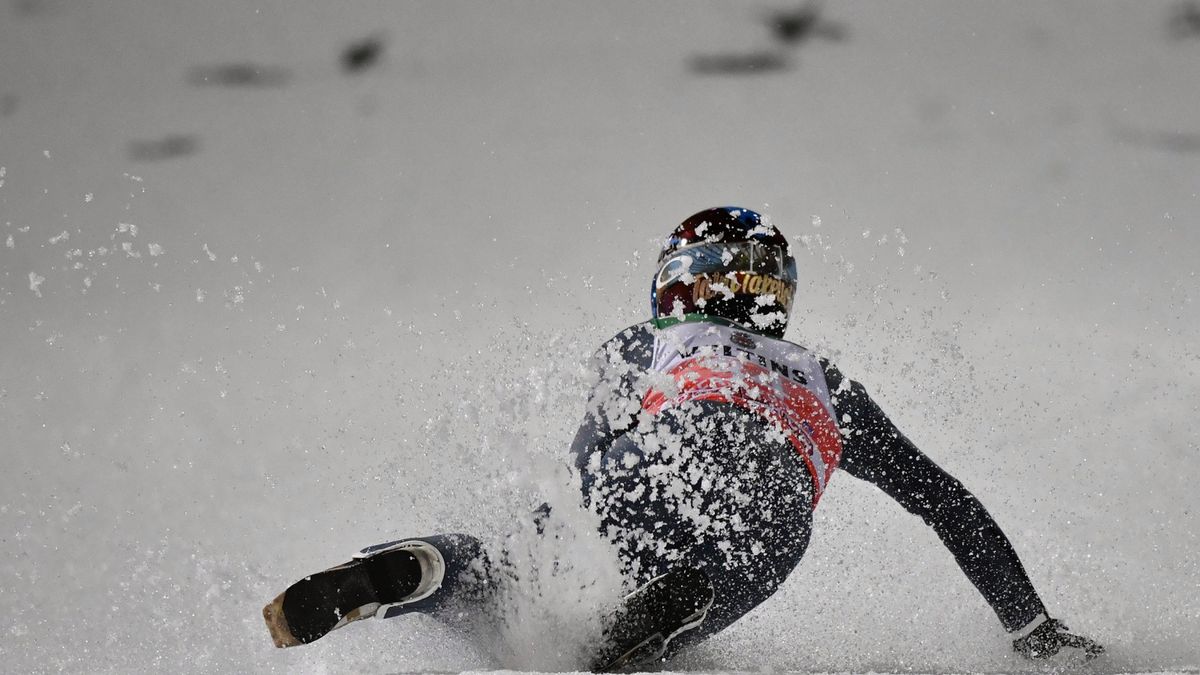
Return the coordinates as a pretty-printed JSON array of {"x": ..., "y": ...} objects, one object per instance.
[{"x": 1044, "y": 638}]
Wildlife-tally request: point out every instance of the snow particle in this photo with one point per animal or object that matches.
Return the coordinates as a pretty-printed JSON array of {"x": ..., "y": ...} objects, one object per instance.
[
  {"x": 155, "y": 249},
  {"x": 35, "y": 281},
  {"x": 60, "y": 237}
]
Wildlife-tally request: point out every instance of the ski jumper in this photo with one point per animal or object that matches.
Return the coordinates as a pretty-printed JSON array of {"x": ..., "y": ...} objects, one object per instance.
[{"x": 707, "y": 445}]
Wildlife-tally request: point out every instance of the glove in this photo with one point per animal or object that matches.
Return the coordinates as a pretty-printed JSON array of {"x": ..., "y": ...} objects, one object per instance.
[{"x": 1049, "y": 637}]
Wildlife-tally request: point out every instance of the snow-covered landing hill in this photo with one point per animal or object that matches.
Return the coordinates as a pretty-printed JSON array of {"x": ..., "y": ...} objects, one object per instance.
[{"x": 258, "y": 310}]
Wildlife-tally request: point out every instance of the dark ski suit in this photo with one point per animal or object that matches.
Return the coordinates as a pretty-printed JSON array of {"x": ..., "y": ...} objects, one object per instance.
[{"x": 717, "y": 480}]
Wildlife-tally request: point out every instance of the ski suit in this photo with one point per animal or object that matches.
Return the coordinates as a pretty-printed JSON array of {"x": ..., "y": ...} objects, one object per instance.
[{"x": 707, "y": 445}]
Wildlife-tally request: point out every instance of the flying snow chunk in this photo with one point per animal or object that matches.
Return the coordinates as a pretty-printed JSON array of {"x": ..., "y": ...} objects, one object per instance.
[
  {"x": 155, "y": 249},
  {"x": 35, "y": 282},
  {"x": 58, "y": 238}
]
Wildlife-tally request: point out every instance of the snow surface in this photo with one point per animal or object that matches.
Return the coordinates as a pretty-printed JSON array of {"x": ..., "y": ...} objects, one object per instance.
[{"x": 246, "y": 330}]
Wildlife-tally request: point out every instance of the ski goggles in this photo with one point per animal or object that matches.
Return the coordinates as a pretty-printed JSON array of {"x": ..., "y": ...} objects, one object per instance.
[{"x": 719, "y": 257}]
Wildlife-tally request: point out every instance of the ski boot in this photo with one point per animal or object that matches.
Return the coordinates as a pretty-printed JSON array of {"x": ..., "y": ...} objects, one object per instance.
[
  {"x": 640, "y": 630},
  {"x": 378, "y": 579}
]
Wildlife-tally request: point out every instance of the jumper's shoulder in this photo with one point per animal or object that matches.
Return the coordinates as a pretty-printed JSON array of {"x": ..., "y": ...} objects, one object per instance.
[
  {"x": 634, "y": 344},
  {"x": 635, "y": 335},
  {"x": 837, "y": 380},
  {"x": 850, "y": 398},
  {"x": 833, "y": 376}
]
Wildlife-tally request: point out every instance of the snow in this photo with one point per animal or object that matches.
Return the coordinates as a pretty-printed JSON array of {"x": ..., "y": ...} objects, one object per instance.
[
  {"x": 993, "y": 206},
  {"x": 35, "y": 283}
]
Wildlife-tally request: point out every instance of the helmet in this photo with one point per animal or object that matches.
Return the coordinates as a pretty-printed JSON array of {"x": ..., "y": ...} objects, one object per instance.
[{"x": 726, "y": 263}]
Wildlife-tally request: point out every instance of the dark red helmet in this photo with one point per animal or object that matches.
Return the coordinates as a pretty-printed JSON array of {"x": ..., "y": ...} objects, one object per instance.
[{"x": 728, "y": 263}]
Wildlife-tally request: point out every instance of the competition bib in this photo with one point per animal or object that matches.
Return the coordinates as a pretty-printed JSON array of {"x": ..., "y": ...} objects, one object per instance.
[{"x": 777, "y": 380}]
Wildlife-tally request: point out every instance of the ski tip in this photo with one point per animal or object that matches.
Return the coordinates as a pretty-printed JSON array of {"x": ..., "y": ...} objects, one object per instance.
[{"x": 277, "y": 623}]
